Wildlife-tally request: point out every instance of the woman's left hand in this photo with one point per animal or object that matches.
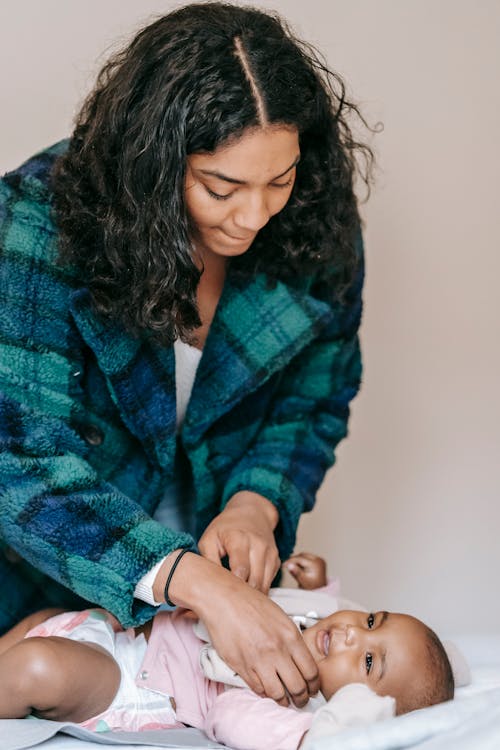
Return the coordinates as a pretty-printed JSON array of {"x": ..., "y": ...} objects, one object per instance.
[{"x": 244, "y": 531}]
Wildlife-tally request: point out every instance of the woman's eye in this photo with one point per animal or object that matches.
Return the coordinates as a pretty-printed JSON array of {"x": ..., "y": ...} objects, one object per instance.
[
  {"x": 283, "y": 184},
  {"x": 217, "y": 196},
  {"x": 370, "y": 620},
  {"x": 368, "y": 663}
]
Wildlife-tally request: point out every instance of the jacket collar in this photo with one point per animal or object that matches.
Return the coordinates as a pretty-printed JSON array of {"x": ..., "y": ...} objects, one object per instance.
[{"x": 255, "y": 332}]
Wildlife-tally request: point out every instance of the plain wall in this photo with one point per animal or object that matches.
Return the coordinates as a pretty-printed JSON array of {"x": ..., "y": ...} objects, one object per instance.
[{"x": 409, "y": 516}]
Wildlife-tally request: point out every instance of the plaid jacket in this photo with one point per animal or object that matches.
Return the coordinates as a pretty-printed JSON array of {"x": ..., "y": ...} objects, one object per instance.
[{"x": 87, "y": 416}]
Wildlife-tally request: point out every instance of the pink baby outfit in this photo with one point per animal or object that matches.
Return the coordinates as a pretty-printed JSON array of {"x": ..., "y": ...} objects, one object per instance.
[{"x": 170, "y": 669}]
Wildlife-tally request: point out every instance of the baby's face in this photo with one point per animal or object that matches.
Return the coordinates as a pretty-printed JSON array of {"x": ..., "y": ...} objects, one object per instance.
[{"x": 386, "y": 651}]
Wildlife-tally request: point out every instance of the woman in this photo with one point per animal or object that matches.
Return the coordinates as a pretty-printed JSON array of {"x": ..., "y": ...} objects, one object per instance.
[{"x": 204, "y": 203}]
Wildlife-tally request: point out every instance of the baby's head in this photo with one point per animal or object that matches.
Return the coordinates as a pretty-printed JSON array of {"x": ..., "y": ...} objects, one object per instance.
[{"x": 393, "y": 654}]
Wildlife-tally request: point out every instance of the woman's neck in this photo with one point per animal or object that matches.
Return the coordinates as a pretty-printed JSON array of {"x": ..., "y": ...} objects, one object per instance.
[{"x": 209, "y": 292}]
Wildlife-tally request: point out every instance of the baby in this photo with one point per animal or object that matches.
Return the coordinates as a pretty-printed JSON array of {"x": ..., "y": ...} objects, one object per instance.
[{"x": 83, "y": 667}]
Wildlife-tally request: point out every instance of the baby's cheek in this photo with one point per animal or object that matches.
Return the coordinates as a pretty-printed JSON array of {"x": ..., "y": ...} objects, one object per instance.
[{"x": 336, "y": 671}]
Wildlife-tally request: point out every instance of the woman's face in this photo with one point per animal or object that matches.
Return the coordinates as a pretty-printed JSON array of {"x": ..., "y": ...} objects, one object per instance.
[{"x": 233, "y": 192}]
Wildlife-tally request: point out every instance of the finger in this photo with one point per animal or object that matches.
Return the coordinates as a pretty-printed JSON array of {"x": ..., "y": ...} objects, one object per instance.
[
  {"x": 296, "y": 571},
  {"x": 297, "y": 558},
  {"x": 295, "y": 684},
  {"x": 210, "y": 548},
  {"x": 262, "y": 562},
  {"x": 273, "y": 564},
  {"x": 292, "y": 567},
  {"x": 251, "y": 678},
  {"x": 188, "y": 614},
  {"x": 254, "y": 682},
  {"x": 239, "y": 557},
  {"x": 273, "y": 687},
  {"x": 307, "y": 667},
  {"x": 306, "y": 556},
  {"x": 309, "y": 574},
  {"x": 299, "y": 561},
  {"x": 258, "y": 559}
]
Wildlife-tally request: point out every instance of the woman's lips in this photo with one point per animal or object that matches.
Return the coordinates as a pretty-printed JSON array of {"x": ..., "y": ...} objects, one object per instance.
[{"x": 238, "y": 239}]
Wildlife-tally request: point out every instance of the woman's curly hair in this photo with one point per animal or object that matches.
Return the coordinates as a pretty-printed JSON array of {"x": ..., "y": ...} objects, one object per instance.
[{"x": 180, "y": 88}]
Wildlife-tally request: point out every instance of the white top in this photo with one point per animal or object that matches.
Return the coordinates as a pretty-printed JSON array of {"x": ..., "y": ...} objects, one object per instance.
[{"x": 187, "y": 359}]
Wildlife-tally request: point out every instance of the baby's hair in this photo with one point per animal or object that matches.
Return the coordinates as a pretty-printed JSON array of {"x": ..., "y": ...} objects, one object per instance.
[{"x": 437, "y": 685}]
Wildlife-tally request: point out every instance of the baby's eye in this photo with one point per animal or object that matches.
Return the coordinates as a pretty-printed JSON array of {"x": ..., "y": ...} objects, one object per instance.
[
  {"x": 370, "y": 620},
  {"x": 368, "y": 663}
]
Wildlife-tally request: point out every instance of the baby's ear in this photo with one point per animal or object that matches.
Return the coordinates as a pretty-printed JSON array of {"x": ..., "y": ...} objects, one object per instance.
[{"x": 459, "y": 666}]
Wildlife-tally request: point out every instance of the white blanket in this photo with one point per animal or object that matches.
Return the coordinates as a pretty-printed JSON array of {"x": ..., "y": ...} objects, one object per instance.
[
  {"x": 18, "y": 734},
  {"x": 471, "y": 723}
]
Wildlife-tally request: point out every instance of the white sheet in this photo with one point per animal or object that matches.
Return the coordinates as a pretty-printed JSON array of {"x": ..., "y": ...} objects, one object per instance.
[{"x": 18, "y": 734}]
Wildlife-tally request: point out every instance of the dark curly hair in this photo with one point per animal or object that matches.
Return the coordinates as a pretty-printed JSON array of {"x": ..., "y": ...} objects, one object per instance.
[{"x": 190, "y": 81}]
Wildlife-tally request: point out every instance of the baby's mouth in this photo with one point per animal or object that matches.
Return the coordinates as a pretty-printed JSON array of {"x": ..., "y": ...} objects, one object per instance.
[{"x": 323, "y": 642}]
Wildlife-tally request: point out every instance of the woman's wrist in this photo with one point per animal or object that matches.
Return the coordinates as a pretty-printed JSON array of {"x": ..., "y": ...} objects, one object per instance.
[
  {"x": 188, "y": 584},
  {"x": 163, "y": 573},
  {"x": 246, "y": 500}
]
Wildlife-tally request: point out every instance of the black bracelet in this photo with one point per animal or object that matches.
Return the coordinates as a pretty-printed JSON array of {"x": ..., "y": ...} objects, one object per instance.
[{"x": 172, "y": 571}]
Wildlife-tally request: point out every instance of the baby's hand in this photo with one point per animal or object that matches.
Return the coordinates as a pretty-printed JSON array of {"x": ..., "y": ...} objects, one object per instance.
[{"x": 308, "y": 570}]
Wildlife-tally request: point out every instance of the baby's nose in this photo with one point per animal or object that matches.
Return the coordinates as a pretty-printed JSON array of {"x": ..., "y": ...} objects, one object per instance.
[
  {"x": 341, "y": 634},
  {"x": 352, "y": 635}
]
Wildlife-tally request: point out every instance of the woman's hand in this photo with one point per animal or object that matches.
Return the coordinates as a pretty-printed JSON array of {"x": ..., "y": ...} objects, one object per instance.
[
  {"x": 308, "y": 570},
  {"x": 244, "y": 531},
  {"x": 251, "y": 633}
]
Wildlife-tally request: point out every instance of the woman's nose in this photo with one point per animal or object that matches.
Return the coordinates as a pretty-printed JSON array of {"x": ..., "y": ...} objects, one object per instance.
[{"x": 252, "y": 214}]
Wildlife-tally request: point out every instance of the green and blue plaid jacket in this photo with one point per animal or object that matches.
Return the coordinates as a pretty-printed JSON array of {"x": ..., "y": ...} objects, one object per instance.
[{"x": 88, "y": 417}]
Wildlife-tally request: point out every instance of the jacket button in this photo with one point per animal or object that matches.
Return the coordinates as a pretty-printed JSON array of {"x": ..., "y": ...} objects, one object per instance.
[
  {"x": 92, "y": 434},
  {"x": 12, "y": 555},
  {"x": 144, "y": 674}
]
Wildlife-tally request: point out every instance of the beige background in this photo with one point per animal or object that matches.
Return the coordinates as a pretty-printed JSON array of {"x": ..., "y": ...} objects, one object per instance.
[{"x": 410, "y": 516}]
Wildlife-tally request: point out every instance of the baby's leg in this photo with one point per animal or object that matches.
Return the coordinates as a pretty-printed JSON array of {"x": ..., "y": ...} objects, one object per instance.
[
  {"x": 56, "y": 678},
  {"x": 18, "y": 632}
]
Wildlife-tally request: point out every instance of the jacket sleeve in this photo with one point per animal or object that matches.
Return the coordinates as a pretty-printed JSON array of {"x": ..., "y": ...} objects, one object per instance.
[
  {"x": 308, "y": 417},
  {"x": 241, "y": 719},
  {"x": 56, "y": 510}
]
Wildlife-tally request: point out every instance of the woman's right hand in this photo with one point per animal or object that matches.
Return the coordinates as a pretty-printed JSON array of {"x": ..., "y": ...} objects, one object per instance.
[{"x": 249, "y": 631}]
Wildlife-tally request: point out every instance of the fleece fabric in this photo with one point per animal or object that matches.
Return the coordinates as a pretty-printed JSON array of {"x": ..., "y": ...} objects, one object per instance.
[{"x": 88, "y": 443}]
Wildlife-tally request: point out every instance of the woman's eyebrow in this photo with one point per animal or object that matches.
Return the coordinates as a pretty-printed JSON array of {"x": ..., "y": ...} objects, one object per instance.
[{"x": 234, "y": 181}]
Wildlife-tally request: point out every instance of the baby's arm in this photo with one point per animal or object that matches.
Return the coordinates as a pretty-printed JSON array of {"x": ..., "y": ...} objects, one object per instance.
[
  {"x": 240, "y": 718},
  {"x": 56, "y": 678}
]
